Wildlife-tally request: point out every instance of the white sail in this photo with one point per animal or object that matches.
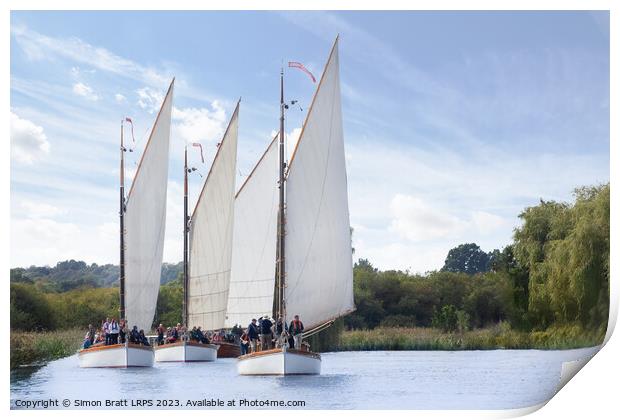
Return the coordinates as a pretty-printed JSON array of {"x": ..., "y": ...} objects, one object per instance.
[
  {"x": 145, "y": 222},
  {"x": 254, "y": 253},
  {"x": 210, "y": 236},
  {"x": 319, "y": 276}
]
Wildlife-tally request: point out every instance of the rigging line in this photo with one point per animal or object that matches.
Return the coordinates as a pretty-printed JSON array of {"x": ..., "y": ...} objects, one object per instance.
[{"x": 316, "y": 220}]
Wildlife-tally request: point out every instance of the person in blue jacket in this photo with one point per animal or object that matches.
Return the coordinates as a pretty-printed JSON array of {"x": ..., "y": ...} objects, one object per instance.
[{"x": 253, "y": 334}]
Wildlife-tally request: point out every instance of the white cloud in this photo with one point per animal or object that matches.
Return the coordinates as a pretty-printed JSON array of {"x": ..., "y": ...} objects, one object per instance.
[
  {"x": 44, "y": 241},
  {"x": 85, "y": 91},
  {"x": 149, "y": 99},
  {"x": 120, "y": 98},
  {"x": 28, "y": 140},
  {"x": 37, "y": 46},
  {"x": 487, "y": 223},
  {"x": 200, "y": 124},
  {"x": 417, "y": 221},
  {"x": 39, "y": 209}
]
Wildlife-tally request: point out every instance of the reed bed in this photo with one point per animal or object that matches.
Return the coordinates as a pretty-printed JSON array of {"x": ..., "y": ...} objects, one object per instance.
[
  {"x": 500, "y": 336},
  {"x": 29, "y": 348}
]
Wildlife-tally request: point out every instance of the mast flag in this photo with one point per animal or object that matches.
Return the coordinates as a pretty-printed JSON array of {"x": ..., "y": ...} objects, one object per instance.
[
  {"x": 130, "y": 121},
  {"x": 201, "y": 155},
  {"x": 301, "y": 67}
]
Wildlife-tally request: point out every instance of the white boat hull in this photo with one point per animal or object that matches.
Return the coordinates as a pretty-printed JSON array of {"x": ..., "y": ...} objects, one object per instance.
[
  {"x": 116, "y": 356},
  {"x": 186, "y": 352},
  {"x": 280, "y": 362}
]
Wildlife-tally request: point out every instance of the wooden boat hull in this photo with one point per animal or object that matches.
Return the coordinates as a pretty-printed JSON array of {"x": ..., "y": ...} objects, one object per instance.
[
  {"x": 184, "y": 351},
  {"x": 280, "y": 362},
  {"x": 116, "y": 356},
  {"x": 228, "y": 350}
]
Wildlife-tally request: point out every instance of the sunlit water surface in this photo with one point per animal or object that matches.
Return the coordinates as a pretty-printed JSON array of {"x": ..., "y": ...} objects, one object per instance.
[{"x": 497, "y": 379}]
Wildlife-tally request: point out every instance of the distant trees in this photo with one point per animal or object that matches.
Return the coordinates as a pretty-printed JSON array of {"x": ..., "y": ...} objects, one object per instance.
[
  {"x": 169, "y": 308},
  {"x": 556, "y": 273},
  {"x": 445, "y": 300},
  {"x": 71, "y": 274},
  {"x": 467, "y": 258},
  {"x": 34, "y": 310},
  {"x": 30, "y": 310}
]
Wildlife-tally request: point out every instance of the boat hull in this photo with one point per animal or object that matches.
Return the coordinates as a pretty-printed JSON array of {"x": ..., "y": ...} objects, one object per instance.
[
  {"x": 228, "y": 350},
  {"x": 280, "y": 362},
  {"x": 116, "y": 356},
  {"x": 186, "y": 352}
]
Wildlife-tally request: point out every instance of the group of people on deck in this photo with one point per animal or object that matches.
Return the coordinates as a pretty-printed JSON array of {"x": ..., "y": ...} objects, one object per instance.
[
  {"x": 271, "y": 334},
  {"x": 173, "y": 334},
  {"x": 113, "y": 332},
  {"x": 262, "y": 334}
]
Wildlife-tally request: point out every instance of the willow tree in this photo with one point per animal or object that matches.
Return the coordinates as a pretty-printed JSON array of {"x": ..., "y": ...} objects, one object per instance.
[{"x": 566, "y": 250}]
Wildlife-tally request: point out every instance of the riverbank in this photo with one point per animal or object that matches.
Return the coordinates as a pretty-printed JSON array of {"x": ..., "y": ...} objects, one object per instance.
[
  {"x": 29, "y": 348},
  {"x": 500, "y": 336}
]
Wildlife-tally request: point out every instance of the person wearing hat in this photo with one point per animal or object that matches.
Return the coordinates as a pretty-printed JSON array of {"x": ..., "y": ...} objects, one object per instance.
[
  {"x": 253, "y": 334},
  {"x": 266, "y": 334}
]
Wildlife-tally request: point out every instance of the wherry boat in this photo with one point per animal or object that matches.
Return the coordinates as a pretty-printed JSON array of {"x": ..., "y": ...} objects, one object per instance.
[
  {"x": 207, "y": 250},
  {"x": 142, "y": 228},
  {"x": 297, "y": 216}
]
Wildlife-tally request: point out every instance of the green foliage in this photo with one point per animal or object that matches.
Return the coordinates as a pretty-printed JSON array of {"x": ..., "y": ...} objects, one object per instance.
[
  {"x": 30, "y": 347},
  {"x": 499, "y": 336},
  {"x": 80, "y": 307},
  {"x": 327, "y": 339},
  {"x": 445, "y": 319},
  {"x": 395, "y": 298},
  {"x": 467, "y": 258},
  {"x": 169, "y": 309},
  {"x": 565, "y": 248},
  {"x": 71, "y": 274},
  {"x": 30, "y": 309}
]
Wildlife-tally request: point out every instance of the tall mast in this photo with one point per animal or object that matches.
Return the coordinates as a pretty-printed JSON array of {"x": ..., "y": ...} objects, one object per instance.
[
  {"x": 185, "y": 242},
  {"x": 122, "y": 228},
  {"x": 281, "y": 217}
]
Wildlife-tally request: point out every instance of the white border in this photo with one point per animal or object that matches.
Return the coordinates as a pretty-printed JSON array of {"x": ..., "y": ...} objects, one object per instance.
[{"x": 593, "y": 394}]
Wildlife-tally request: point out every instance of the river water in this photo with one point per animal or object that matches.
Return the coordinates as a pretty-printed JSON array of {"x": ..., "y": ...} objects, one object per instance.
[{"x": 497, "y": 379}]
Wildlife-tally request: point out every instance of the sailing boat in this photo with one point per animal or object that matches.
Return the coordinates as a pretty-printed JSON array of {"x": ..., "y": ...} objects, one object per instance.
[
  {"x": 142, "y": 228},
  {"x": 297, "y": 216},
  {"x": 208, "y": 241}
]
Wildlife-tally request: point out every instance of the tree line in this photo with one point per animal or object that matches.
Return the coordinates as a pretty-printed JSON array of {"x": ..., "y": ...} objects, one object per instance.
[
  {"x": 72, "y": 274},
  {"x": 554, "y": 273}
]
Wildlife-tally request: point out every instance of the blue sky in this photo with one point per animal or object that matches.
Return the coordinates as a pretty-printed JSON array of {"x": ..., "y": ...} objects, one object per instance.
[{"x": 454, "y": 121}]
